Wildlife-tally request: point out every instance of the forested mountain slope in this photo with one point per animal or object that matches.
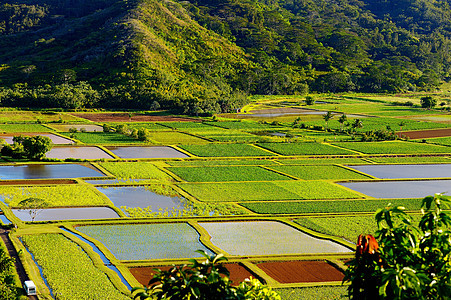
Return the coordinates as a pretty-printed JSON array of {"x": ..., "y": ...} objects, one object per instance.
[{"x": 206, "y": 55}]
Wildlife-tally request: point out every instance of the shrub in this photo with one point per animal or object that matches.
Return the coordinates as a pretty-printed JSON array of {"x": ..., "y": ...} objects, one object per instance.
[{"x": 406, "y": 261}]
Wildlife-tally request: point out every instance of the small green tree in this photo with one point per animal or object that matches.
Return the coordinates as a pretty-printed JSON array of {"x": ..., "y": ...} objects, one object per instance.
[
  {"x": 309, "y": 100},
  {"x": 33, "y": 205},
  {"x": 342, "y": 121},
  {"x": 327, "y": 117},
  {"x": 35, "y": 147},
  {"x": 408, "y": 261},
  {"x": 428, "y": 102}
]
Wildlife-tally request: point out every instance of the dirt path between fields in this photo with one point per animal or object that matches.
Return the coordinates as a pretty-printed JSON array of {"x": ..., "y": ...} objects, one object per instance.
[{"x": 17, "y": 262}]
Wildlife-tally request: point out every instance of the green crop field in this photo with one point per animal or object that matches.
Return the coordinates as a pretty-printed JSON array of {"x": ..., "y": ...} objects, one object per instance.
[
  {"x": 13, "y": 128},
  {"x": 394, "y": 147},
  {"x": 322, "y": 161},
  {"x": 254, "y": 191},
  {"x": 202, "y": 163},
  {"x": 102, "y": 138},
  {"x": 245, "y": 125},
  {"x": 225, "y": 150},
  {"x": 67, "y": 267},
  {"x": 304, "y": 149},
  {"x": 189, "y": 126},
  {"x": 337, "y": 206},
  {"x": 135, "y": 170},
  {"x": 149, "y": 126},
  {"x": 441, "y": 141},
  {"x": 312, "y": 172},
  {"x": 174, "y": 138},
  {"x": 35, "y": 116},
  {"x": 317, "y": 293},
  {"x": 226, "y": 173},
  {"x": 55, "y": 196}
]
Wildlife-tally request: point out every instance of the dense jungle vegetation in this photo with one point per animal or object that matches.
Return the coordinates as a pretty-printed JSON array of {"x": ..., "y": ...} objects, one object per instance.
[{"x": 204, "y": 56}]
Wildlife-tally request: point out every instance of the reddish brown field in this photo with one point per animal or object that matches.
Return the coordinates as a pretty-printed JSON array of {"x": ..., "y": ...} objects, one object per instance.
[
  {"x": 301, "y": 271},
  {"x": 38, "y": 181},
  {"x": 124, "y": 117},
  {"x": 424, "y": 134},
  {"x": 237, "y": 273}
]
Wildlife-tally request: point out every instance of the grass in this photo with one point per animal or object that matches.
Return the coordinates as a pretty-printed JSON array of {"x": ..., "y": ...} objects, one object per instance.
[
  {"x": 174, "y": 138},
  {"x": 312, "y": 172},
  {"x": 102, "y": 138},
  {"x": 202, "y": 163},
  {"x": 149, "y": 126},
  {"x": 225, "y": 150},
  {"x": 337, "y": 206},
  {"x": 33, "y": 116},
  {"x": 394, "y": 147},
  {"x": 54, "y": 196},
  {"x": 346, "y": 227},
  {"x": 322, "y": 161},
  {"x": 441, "y": 140},
  {"x": 245, "y": 125},
  {"x": 135, "y": 170},
  {"x": 67, "y": 267},
  {"x": 255, "y": 191},
  {"x": 7, "y": 128},
  {"x": 304, "y": 149},
  {"x": 226, "y": 173},
  {"x": 313, "y": 293},
  {"x": 189, "y": 125}
]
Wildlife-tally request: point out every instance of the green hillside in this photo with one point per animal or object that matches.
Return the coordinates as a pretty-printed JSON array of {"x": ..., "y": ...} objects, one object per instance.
[{"x": 204, "y": 56}]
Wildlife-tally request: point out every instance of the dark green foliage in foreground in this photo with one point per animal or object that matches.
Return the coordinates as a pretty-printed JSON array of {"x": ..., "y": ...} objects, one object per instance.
[
  {"x": 205, "y": 280},
  {"x": 203, "y": 56},
  {"x": 408, "y": 261}
]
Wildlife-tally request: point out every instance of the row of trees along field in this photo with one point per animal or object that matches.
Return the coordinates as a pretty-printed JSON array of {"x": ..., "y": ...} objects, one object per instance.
[{"x": 206, "y": 56}]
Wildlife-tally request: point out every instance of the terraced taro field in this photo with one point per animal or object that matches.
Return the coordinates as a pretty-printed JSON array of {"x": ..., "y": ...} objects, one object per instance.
[{"x": 283, "y": 199}]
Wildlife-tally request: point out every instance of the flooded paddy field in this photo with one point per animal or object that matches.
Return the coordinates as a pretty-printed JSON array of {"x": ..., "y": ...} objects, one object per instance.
[
  {"x": 400, "y": 189},
  {"x": 406, "y": 171},
  {"x": 56, "y": 139},
  {"x": 147, "y": 152},
  {"x": 77, "y": 152},
  {"x": 40, "y": 171},
  {"x": 73, "y": 213},
  {"x": 147, "y": 241},
  {"x": 140, "y": 197},
  {"x": 266, "y": 238}
]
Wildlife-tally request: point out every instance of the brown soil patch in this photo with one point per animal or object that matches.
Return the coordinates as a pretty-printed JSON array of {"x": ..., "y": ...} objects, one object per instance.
[
  {"x": 38, "y": 181},
  {"x": 124, "y": 117},
  {"x": 424, "y": 134},
  {"x": 237, "y": 273},
  {"x": 301, "y": 271}
]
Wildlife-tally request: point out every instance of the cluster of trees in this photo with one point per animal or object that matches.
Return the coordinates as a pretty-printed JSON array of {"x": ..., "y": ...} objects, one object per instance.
[
  {"x": 31, "y": 147},
  {"x": 130, "y": 54},
  {"x": 142, "y": 134}
]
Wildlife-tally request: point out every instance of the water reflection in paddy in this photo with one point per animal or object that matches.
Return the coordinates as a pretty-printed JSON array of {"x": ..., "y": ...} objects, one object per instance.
[
  {"x": 266, "y": 238},
  {"x": 147, "y": 241},
  {"x": 56, "y": 139},
  {"x": 33, "y": 171},
  {"x": 400, "y": 189},
  {"x": 140, "y": 197},
  {"x": 77, "y": 152},
  {"x": 406, "y": 171},
  {"x": 146, "y": 152},
  {"x": 73, "y": 213}
]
